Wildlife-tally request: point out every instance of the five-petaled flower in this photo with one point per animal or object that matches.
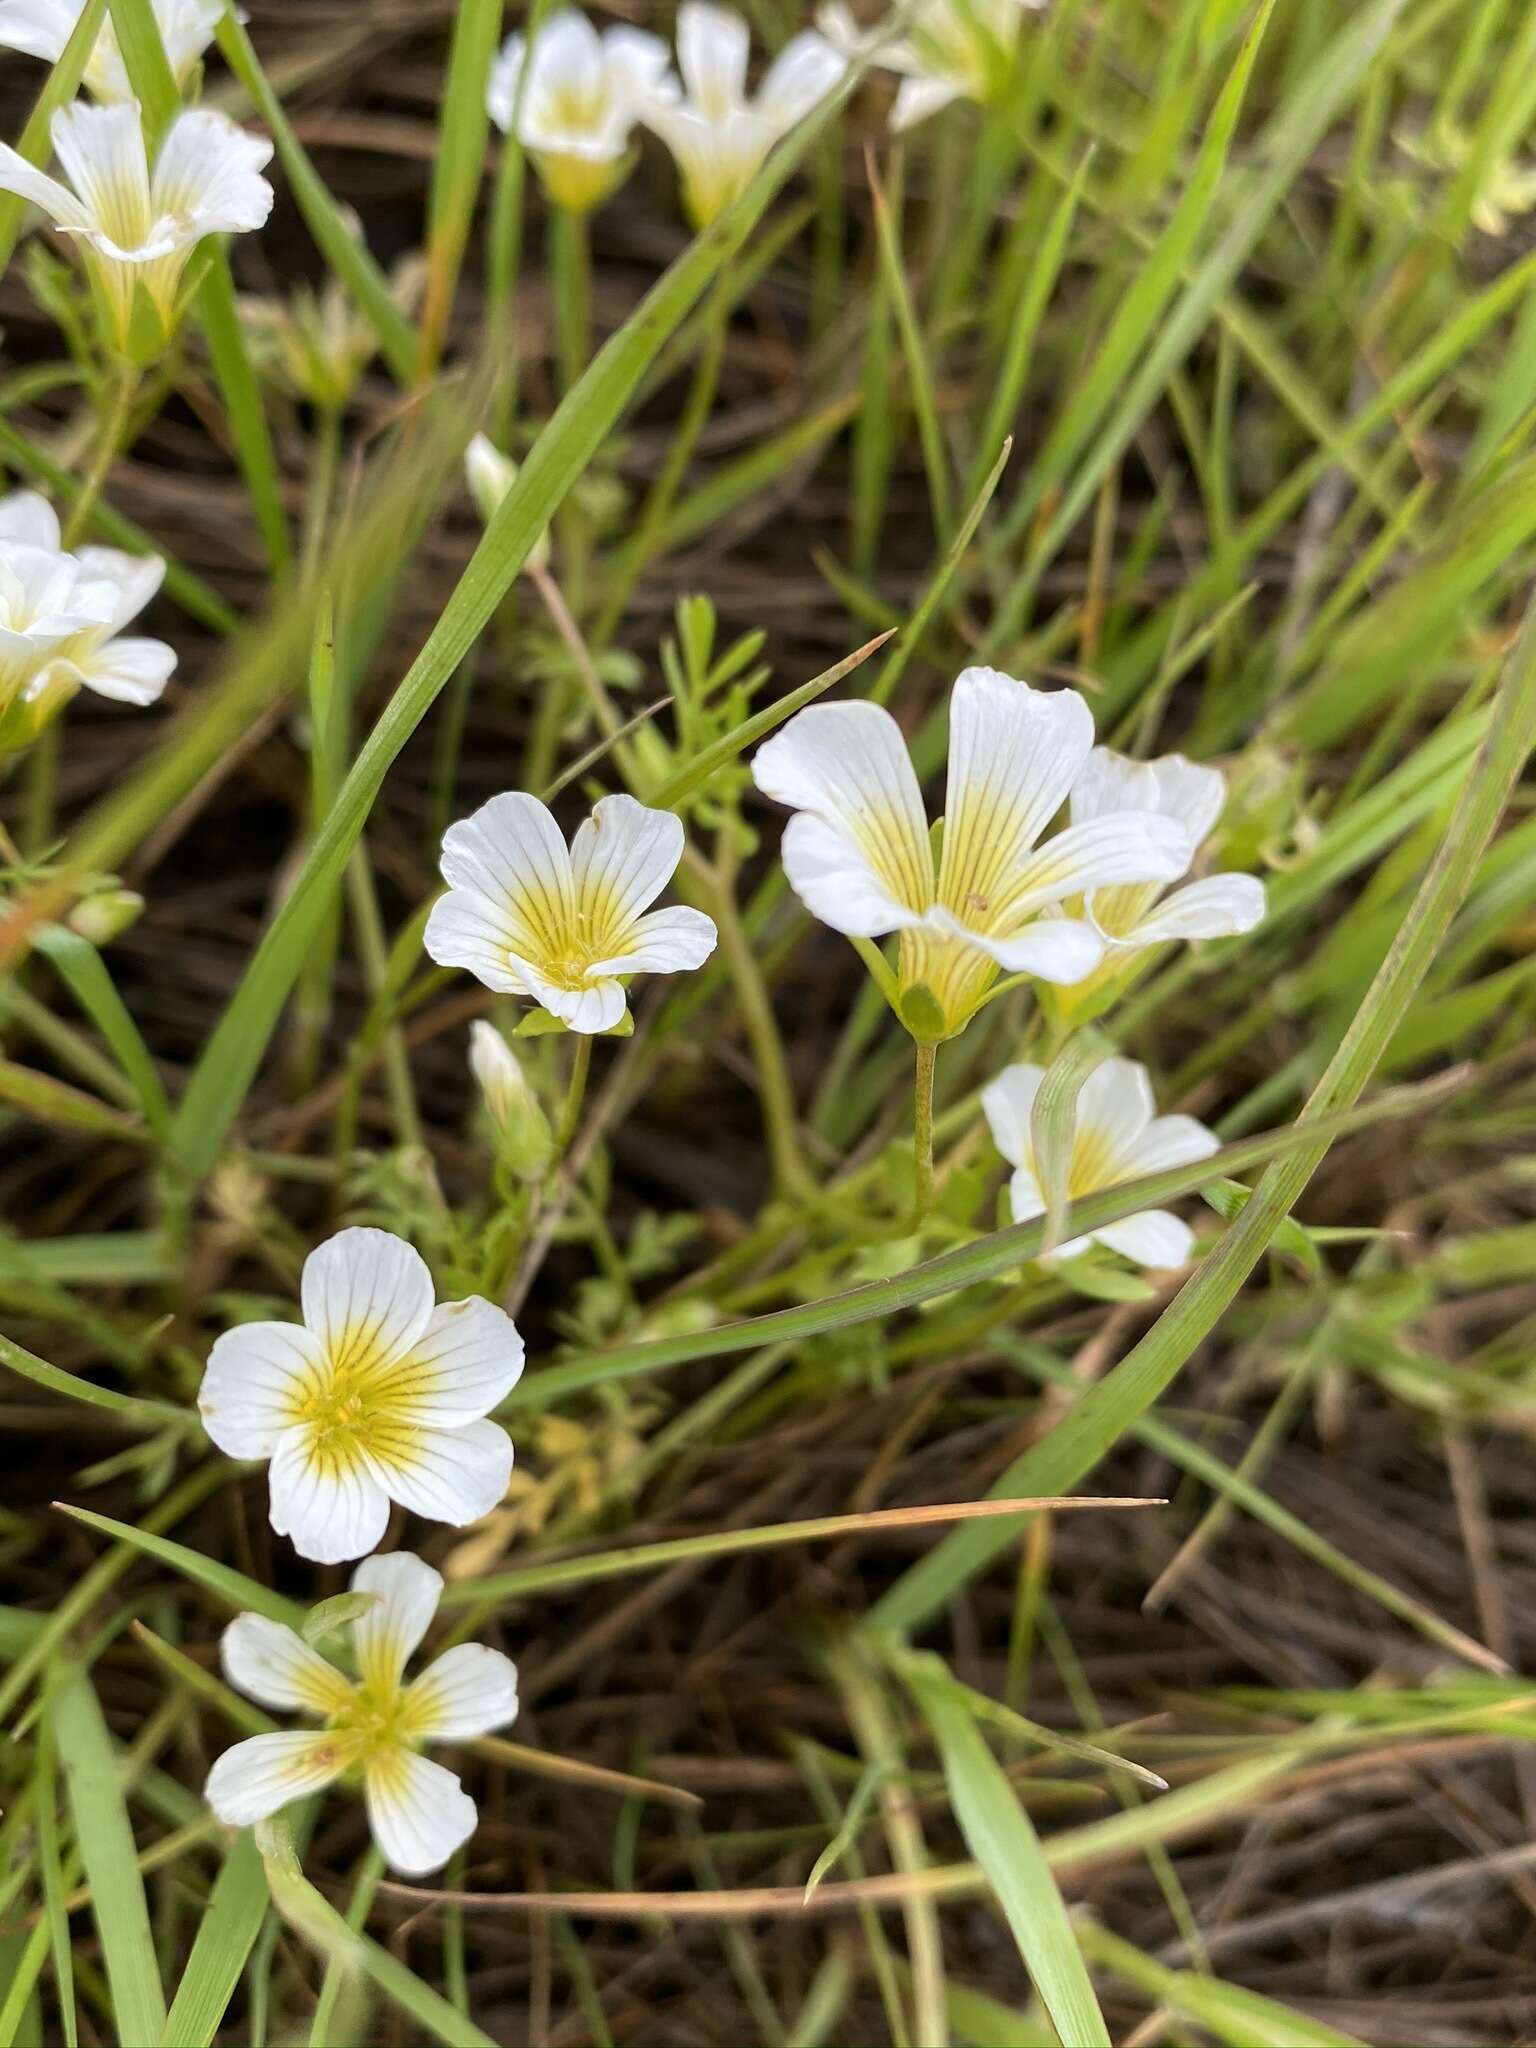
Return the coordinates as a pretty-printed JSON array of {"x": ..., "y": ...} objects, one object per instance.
[
  {"x": 951, "y": 50},
  {"x": 859, "y": 856},
  {"x": 1118, "y": 1136},
  {"x": 376, "y": 1396},
  {"x": 530, "y": 917},
  {"x": 138, "y": 225},
  {"x": 62, "y": 617},
  {"x": 42, "y": 28},
  {"x": 719, "y": 137},
  {"x": 580, "y": 99},
  {"x": 374, "y": 1725}
]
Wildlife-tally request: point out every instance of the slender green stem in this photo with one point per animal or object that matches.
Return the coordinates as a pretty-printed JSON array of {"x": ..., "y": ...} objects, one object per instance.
[
  {"x": 663, "y": 492},
  {"x": 570, "y": 1109},
  {"x": 570, "y": 254},
  {"x": 109, "y": 445},
  {"x": 922, "y": 1132}
]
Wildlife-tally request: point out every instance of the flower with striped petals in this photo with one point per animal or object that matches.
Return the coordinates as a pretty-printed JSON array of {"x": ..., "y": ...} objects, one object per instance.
[
  {"x": 949, "y": 50},
  {"x": 374, "y": 1726},
  {"x": 377, "y": 1396},
  {"x": 138, "y": 223},
  {"x": 530, "y": 916},
  {"x": 41, "y": 28},
  {"x": 575, "y": 100},
  {"x": 1118, "y": 1136},
  {"x": 859, "y": 855}
]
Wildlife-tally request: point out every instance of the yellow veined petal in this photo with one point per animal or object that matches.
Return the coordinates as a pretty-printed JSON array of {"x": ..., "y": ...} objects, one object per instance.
[
  {"x": 262, "y": 1775},
  {"x": 270, "y": 1663},
  {"x": 406, "y": 1592},
  {"x": 419, "y": 1812}
]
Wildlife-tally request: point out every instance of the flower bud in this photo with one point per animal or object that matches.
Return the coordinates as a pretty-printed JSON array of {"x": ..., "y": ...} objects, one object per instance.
[
  {"x": 106, "y": 915},
  {"x": 490, "y": 475},
  {"x": 526, "y": 1142}
]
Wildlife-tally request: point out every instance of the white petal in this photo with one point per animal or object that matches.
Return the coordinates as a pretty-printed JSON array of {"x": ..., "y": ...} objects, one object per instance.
[
  {"x": 1008, "y": 1103},
  {"x": 713, "y": 44},
  {"x": 501, "y": 90},
  {"x": 469, "y": 1358},
  {"x": 636, "y": 64},
  {"x": 102, "y": 151},
  {"x": 448, "y": 1475},
  {"x": 267, "y": 1772},
  {"x": 419, "y": 1813},
  {"x": 272, "y": 1664},
  {"x": 1129, "y": 846},
  {"x": 1215, "y": 908},
  {"x": 366, "y": 1292},
  {"x": 596, "y": 1006},
  {"x": 134, "y": 579},
  {"x": 511, "y": 856},
  {"x": 38, "y": 28},
  {"x": 803, "y": 73},
  {"x": 1110, "y": 782},
  {"x": 28, "y": 517},
  {"x": 1154, "y": 1238},
  {"x": 1057, "y": 949},
  {"x": 38, "y": 189},
  {"x": 1025, "y": 1201},
  {"x": 208, "y": 174},
  {"x": 329, "y": 1511},
  {"x": 918, "y": 98},
  {"x": 1114, "y": 1108},
  {"x": 1169, "y": 1141},
  {"x": 1190, "y": 793},
  {"x": 463, "y": 930},
  {"x": 254, "y": 1374},
  {"x": 129, "y": 671},
  {"x": 1014, "y": 753},
  {"x": 847, "y": 766},
  {"x": 406, "y": 1591},
  {"x": 469, "y": 1691},
  {"x": 663, "y": 942},
  {"x": 622, "y": 857}
]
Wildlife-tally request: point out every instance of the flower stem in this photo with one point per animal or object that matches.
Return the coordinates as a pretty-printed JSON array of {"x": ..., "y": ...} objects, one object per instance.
[
  {"x": 570, "y": 1111},
  {"x": 922, "y": 1132},
  {"x": 571, "y": 263},
  {"x": 109, "y": 445}
]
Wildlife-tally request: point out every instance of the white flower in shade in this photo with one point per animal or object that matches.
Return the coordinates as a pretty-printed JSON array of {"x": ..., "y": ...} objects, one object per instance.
[
  {"x": 951, "y": 50},
  {"x": 62, "y": 615},
  {"x": 374, "y": 1725},
  {"x": 522, "y": 1127},
  {"x": 859, "y": 856},
  {"x": 717, "y": 136},
  {"x": 1118, "y": 1136},
  {"x": 490, "y": 475},
  {"x": 1136, "y": 914},
  {"x": 376, "y": 1396},
  {"x": 42, "y": 28},
  {"x": 530, "y": 918},
  {"x": 580, "y": 100},
  {"x": 138, "y": 226}
]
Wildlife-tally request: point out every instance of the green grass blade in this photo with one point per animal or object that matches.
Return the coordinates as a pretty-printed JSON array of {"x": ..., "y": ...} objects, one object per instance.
[
  {"x": 84, "y": 971},
  {"x": 1233, "y": 2014},
  {"x": 224, "y": 332},
  {"x": 232, "y": 1587},
  {"x": 583, "y": 421},
  {"x": 106, "y": 1844},
  {"x": 1001, "y": 1836},
  {"x": 461, "y": 136},
  {"x": 225, "y": 1937}
]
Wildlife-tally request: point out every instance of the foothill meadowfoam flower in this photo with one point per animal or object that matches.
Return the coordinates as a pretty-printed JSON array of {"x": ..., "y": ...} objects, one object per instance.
[
  {"x": 522, "y": 1129},
  {"x": 530, "y": 917},
  {"x": 374, "y": 1725},
  {"x": 1118, "y": 1136},
  {"x": 717, "y": 135},
  {"x": 62, "y": 616},
  {"x": 41, "y": 28},
  {"x": 949, "y": 50},
  {"x": 490, "y": 475},
  {"x": 378, "y": 1395},
  {"x": 580, "y": 99},
  {"x": 859, "y": 855},
  {"x": 138, "y": 224}
]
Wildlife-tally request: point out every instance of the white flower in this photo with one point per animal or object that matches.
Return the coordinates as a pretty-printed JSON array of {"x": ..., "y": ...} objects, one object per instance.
[
  {"x": 953, "y": 49},
  {"x": 580, "y": 101},
  {"x": 521, "y": 1125},
  {"x": 1117, "y": 1137},
  {"x": 717, "y": 136},
  {"x": 858, "y": 852},
  {"x": 375, "y": 1724},
  {"x": 42, "y": 28},
  {"x": 62, "y": 615},
  {"x": 376, "y": 1396},
  {"x": 137, "y": 226},
  {"x": 1133, "y": 915},
  {"x": 490, "y": 475},
  {"x": 529, "y": 918}
]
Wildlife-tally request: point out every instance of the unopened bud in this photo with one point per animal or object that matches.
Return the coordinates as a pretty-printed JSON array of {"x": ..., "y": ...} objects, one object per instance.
[
  {"x": 490, "y": 475},
  {"x": 526, "y": 1142},
  {"x": 106, "y": 915}
]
